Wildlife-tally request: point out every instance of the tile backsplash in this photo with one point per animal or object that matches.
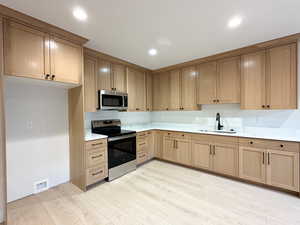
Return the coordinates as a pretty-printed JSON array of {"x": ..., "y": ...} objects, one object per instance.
[{"x": 231, "y": 114}]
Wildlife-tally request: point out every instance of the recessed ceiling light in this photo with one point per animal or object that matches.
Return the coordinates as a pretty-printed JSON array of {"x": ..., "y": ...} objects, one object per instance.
[
  {"x": 79, "y": 14},
  {"x": 235, "y": 22},
  {"x": 152, "y": 51}
]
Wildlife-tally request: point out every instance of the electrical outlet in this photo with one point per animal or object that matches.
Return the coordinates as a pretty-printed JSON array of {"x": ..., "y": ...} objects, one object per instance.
[{"x": 40, "y": 186}]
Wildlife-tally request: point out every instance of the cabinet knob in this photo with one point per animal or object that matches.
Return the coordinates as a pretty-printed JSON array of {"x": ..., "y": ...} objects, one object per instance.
[
  {"x": 268, "y": 106},
  {"x": 47, "y": 76},
  {"x": 167, "y": 108},
  {"x": 218, "y": 100},
  {"x": 251, "y": 142},
  {"x": 281, "y": 146},
  {"x": 52, "y": 77},
  {"x": 214, "y": 100},
  {"x": 263, "y": 106}
]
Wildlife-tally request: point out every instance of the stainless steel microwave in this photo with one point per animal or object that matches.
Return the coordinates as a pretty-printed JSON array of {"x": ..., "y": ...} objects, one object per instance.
[{"x": 112, "y": 100}]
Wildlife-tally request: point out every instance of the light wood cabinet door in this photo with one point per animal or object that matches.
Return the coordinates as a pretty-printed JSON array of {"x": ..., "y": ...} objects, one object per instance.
[
  {"x": 26, "y": 51},
  {"x": 201, "y": 155},
  {"x": 148, "y": 92},
  {"x": 104, "y": 76},
  {"x": 169, "y": 152},
  {"x": 283, "y": 169},
  {"x": 188, "y": 88},
  {"x": 66, "y": 61},
  {"x": 136, "y": 90},
  {"x": 161, "y": 91},
  {"x": 183, "y": 151},
  {"x": 252, "y": 164},
  {"x": 90, "y": 92},
  {"x": 253, "y": 81},
  {"x": 158, "y": 143},
  {"x": 228, "y": 82},
  {"x": 119, "y": 77},
  {"x": 225, "y": 159},
  {"x": 151, "y": 147},
  {"x": 140, "y": 90},
  {"x": 282, "y": 77},
  {"x": 207, "y": 83},
  {"x": 175, "y": 90}
]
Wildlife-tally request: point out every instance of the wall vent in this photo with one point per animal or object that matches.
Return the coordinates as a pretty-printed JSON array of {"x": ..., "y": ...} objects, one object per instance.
[{"x": 40, "y": 186}]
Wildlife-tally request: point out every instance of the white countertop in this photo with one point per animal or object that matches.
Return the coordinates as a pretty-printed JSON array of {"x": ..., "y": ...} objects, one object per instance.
[
  {"x": 281, "y": 134},
  {"x": 89, "y": 136}
]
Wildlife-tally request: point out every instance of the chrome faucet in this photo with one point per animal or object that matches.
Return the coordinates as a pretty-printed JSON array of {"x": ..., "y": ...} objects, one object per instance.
[{"x": 218, "y": 119}]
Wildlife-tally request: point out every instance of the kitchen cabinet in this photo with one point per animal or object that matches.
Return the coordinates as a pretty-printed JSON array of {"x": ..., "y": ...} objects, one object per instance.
[
  {"x": 218, "y": 154},
  {"x": 177, "y": 148},
  {"x": 161, "y": 91},
  {"x": 35, "y": 54},
  {"x": 119, "y": 77},
  {"x": 206, "y": 83},
  {"x": 26, "y": 51},
  {"x": 175, "y": 90},
  {"x": 66, "y": 61},
  {"x": 90, "y": 91},
  {"x": 158, "y": 137},
  {"x": 275, "y": 163},
  {"x": 219, "y": 82},
  {"x": 269, "y": 79},
  {"x": 253, "y": 81},
  {"x": 149, "y": 92},
  {"x": 188, "y": 88},
  {"x": 252, "y": 164},
  {"x": 145, "y": 146},
  {"x": 281, "y": 72},
  {"x": 136, "y": 83}
]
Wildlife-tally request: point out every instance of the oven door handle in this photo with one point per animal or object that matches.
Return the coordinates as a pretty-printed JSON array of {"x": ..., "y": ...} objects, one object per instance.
[{"x": 121, "y": 137}]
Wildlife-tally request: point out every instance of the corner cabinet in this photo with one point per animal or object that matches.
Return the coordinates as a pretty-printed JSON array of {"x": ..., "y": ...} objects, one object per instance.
[
  {"x": 90, "y": 89},
  {"x": 218, "y": 82},
  {"x": 161, "y": 91},
  {"x": 35, "y": 54},
  {"x": 269, "y": 79}
]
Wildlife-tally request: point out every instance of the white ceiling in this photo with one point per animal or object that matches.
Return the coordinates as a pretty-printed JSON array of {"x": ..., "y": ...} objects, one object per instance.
[{"x": 181, "y": 30}]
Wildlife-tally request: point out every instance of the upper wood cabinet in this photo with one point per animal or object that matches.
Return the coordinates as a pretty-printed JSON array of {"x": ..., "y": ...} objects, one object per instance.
[
  {"x": 269, "y": 79},
  {"x": 111, "y": 76},
  {"x": 188, "y": 88},
  {"x": 253, "y": 81},
  {"x": 35, "y": 54},
  {"x": 161, "y": 91},
  {"x": 282, "y": 77},
  {"x": 66, "y": 61},
  {"x": 136, "y": 83},
  {"x": 228, "y": 82},
  {"x": 90, "y": 91},
  {"x": 175, "y": 90},
  {"x": 26, "y": 51},
  {"x": 149, "y": 87},
  {"x": 219, "y": 82},
  {"x": 207, "y": 83}
]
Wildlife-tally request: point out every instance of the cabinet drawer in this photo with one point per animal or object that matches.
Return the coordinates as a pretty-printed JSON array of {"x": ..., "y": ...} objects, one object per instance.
[
  {"x": 142, "y": 145},
  {"x": 96, "y": 144},
  {"x": 96, "y": 174},
  {"x": 143, "y": 134},
  {"x": 95, "y": 157},
  {"x": 142, "y": 157},
  {"x": 177, "y": 135},
  {"x": 270, "y": 144},
  {"x": 213, "y": 139}
]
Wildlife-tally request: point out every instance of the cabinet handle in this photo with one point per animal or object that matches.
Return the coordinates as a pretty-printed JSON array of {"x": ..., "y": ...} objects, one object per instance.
[
  {"x": 268, "y": 158},
  {"x": 214, "y": 147},
  {"x": 214, "y": 100},
  {"x": 263, "y": 106},
  {"x": 47, "y": 76},
  {"x": 94, "y": 174},
  {"x": 218, "y": 100},
  {"x": 52, "y": 77},
  {"x": 141, "y": 156},
  {"x": 167, "y": 109},
  {"x": 268, "y": 106},
  {"x": 251, "y": 142},
  {"x": 95, "y": 157},
  {"x": 210, "y": 150},
  {"x": 263, "y": 158},
  {"x": 137, "y": 109},
  {"x": 97, "y": 144},
  {"x": 281, "y": 146}
]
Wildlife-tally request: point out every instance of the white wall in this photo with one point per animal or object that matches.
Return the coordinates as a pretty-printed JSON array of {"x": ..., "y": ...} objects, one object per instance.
[{"x": 37, "y": 136}]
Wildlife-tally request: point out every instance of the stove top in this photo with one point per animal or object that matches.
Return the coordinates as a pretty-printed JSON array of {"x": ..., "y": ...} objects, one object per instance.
[{"x": 111, "y": 128}]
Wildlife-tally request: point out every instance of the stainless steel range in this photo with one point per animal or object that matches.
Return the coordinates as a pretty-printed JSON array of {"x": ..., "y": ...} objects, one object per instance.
[{"x": 121, "y": 147}]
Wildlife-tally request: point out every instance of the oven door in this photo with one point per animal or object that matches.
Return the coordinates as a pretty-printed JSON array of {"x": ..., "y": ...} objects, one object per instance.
[{"x": 121, "y": 150}]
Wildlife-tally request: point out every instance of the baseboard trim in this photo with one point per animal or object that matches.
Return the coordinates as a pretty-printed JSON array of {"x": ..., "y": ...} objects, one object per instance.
[{"x": 234, "y": 178}]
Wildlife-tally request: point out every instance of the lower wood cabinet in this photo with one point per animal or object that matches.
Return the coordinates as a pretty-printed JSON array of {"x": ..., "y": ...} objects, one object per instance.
[
  {"x": 215, "y": 155},
  {"x": 145, "y": 146},
  {"x": 261, "y": 163},
  {"x": 96, "y": 163}
]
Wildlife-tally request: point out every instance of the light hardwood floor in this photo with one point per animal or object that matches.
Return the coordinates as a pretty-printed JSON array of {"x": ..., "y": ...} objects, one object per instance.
[{"x": 159, "y": 193}]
